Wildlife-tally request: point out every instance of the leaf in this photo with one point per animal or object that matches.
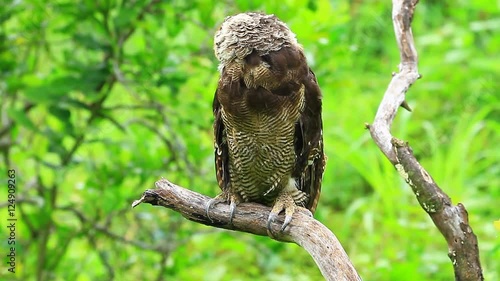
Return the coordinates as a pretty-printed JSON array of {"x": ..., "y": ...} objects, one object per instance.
[
  {"x": 55, "y": 142},
  {"x": 63, "y": 115},
  {"x": 20, "y": 117},
  {"x": 52, "y": 90},
  {"x": 57, "y": 87},
  {"x": 125, "y": 18},
  {"x": 90, "y": 42}
]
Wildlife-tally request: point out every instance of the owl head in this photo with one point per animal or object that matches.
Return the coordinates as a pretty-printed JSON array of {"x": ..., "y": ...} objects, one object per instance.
[{"x": 244, "y": 33}]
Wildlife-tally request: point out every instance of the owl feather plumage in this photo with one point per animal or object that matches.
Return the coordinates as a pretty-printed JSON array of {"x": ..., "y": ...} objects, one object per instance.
[{"x": 268, "y": 126}]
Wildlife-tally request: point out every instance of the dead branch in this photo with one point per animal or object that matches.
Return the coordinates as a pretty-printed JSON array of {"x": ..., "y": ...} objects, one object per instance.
[
  {"x": 451, "y": 220},
  {"x": 304, "y": 230}
]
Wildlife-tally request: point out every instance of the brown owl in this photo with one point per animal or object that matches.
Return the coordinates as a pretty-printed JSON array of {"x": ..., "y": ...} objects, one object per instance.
[{"x": 268, "y": 127}]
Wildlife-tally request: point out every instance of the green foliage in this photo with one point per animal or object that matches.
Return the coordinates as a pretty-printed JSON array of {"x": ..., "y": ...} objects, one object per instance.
[{"x": 101, "y": 98}]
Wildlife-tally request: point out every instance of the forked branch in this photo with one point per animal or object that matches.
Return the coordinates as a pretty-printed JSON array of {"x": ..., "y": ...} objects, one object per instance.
[{"x": 451, "y": 220}]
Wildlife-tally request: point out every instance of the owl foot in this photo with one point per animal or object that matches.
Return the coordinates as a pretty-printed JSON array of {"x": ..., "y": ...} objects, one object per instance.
[
  {"x": 222, "y": 198},
  {"x": 285, "y": 202}
]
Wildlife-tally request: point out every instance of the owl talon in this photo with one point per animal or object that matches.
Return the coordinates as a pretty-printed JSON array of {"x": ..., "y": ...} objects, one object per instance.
[
  {"x": 288, "y": 219},
  {"x": 222, "y": 198},
  {"x": 283, "y": 202},
  {"x": 270, "y": 219},
  {"x": 210, "y": 203},
  {"x": 232, "y": 210}
]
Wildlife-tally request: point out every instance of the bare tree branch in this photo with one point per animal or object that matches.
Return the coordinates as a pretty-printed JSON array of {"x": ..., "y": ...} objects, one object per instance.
[
  {"x": 304, "y": 230},
  {"x": 451, "y": 220}
]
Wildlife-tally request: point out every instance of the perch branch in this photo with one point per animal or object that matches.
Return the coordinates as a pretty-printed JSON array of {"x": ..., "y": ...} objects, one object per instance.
[
  {"x": 452, "y": 221},
  {"x": 303, "y": 230}
]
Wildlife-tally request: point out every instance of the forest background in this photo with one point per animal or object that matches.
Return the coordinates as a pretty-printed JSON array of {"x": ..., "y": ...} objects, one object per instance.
[{"x": 99, "y": 99}]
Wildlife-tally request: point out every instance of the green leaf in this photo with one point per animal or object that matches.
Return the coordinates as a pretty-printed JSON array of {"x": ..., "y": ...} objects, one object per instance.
[
  {"x": 20, "y": 117},
  {"x": 63, "y": 115}
]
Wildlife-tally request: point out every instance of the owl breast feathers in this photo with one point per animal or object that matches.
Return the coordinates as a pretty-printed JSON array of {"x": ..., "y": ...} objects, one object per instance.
[{"x": 267, "y": 108}]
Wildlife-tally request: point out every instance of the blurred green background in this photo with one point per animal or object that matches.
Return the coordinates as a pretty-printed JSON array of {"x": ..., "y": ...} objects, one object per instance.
[{"x": 99, "y": 99}]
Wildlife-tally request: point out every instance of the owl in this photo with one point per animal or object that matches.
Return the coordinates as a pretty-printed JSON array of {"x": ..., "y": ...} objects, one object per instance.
[{"x": 268, "y": 126}]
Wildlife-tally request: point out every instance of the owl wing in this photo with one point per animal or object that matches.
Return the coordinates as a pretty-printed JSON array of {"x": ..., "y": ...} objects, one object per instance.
[
  {"x": 221, "y": 148},
  {"x": 308, "y": 143}
]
